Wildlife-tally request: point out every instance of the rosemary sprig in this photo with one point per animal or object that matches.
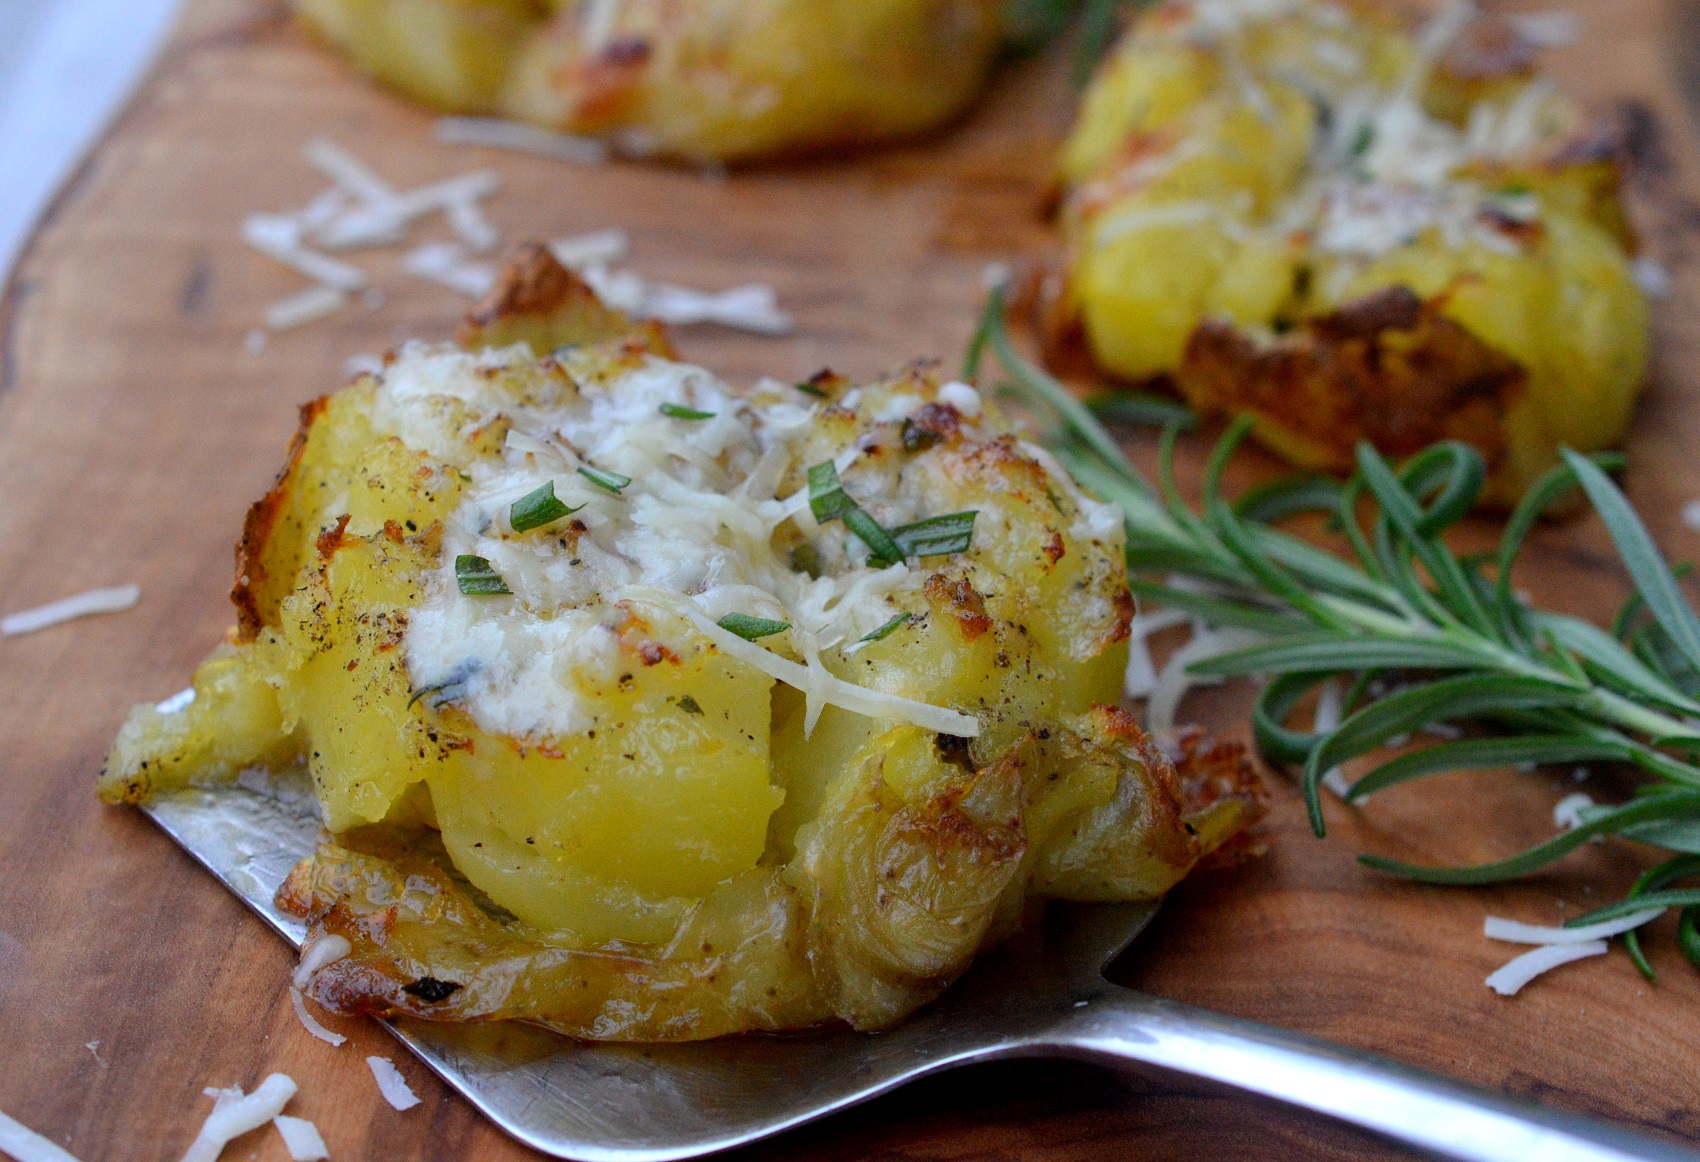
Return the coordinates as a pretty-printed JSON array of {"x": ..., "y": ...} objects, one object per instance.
[{"x": 1420, "y": 635}]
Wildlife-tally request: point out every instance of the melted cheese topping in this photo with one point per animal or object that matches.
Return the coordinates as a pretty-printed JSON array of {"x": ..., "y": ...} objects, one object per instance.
[
  {"x": 694, "y": 536},
  {"x": 1383, "y": 172}
]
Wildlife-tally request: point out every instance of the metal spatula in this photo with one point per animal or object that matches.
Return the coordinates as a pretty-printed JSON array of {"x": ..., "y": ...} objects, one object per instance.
[{"x": 1042, "y": 994}]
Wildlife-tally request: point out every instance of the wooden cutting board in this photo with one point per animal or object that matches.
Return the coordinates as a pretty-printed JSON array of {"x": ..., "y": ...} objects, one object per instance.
[{"x": 135, "y": 426}]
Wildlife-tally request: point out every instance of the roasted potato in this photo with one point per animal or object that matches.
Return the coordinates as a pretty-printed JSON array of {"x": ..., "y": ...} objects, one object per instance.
[
  {"x": 699, "y": 80},
  {"x": 626, "y": 721},
  {"x": 1311, "y": 214}
]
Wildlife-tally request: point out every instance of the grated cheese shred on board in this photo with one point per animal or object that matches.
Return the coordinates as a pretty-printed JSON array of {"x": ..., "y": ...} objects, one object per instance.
[
  {"x": 25, "y": 1145},
  {"x": 361, "y": 210},
  {"x": 114, "y": 600},
  {"x": 1329, "y": 708},
  {"x": 1141, "y": 677},
  {"x": 1515, "y": 932},
  {"x": 392, "y": 1084},
  {"x": 301, "y": 1138},
  {"x": 447, "y": 263},
  {"x": 308, "y": 1021},
  {"x": 1175, "y": 680},
  {"x": 496, "y": 133},
  {"x": 308, "y": 306},
  {"x": 235, "y": 1114},
  {"x": 1509, "y": 980}
]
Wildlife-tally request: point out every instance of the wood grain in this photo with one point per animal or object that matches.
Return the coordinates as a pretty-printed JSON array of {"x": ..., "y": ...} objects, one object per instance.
[{"x": 135, "y": 427}]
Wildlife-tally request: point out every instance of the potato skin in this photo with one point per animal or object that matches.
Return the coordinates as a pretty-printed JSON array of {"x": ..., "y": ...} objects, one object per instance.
[
  {"x": 1209, "y": 246},
  {"x": 698, "y": 80},
  {"x": 690, "y": 861}
]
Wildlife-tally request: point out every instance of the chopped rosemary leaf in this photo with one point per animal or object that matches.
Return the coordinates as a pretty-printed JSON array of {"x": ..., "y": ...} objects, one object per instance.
[
  {"x": 1141, "y": 407},
  {"x": 937, "y": 535},
  {"x": 750, "y": 628},
  {"x": 886, "y": 630},
  {"x": 680, "y": 412},
  {"x": 476, "y": 578},
  {"x": 690, "y": 705},
  {"x": 827, "y": 498},
  {"x": 882, "y": 550},
  {"x": 810, "y": 389},
  {"x": 602, "y": 478},
  {"x": 538, "y": 508}
]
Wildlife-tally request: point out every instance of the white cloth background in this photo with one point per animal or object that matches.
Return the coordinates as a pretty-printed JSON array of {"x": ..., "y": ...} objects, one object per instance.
[{"x": 66, "y": 69}]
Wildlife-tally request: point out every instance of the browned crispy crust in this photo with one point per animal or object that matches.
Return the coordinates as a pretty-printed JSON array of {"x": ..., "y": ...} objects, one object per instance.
[
  {"x": 1211, "y": 773},
  {"x": 253, "y": 608},
  {"x": 538, "y": 301},
  {"x": 1389, "y": 368},
  {"x": 958, "y": 598}
]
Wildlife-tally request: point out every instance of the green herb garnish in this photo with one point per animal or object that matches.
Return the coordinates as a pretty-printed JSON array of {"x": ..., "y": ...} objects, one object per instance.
[
  {"x": 886, "y": 630},
  {"x": 882, "y": 550},
  {"x": 810, "y": 389},
  {"x": 828, "y": 501},
  {"x": 538, "y": 508},
  {"x": 476, "y": 578},
  {"x": 1546, "y": 687},
  {"x": 750, "y": 628},
  {"x": 1141, "y": 407},
  {"x": 1363, "y": 139},
  {"x": 602, "y": 478},
  {"x": 690, "y": 705},
  {"x": 936, "y": 536},
  {"x": 827, "y": 498},
  {"x": 680, "y": 412}
]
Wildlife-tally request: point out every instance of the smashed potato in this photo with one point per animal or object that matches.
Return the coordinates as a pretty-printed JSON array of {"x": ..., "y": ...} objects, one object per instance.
[
  {"x": 641, "y": 708},
  {"x": 1309, "y": 213},
  {"x": 699, "y": 80}
]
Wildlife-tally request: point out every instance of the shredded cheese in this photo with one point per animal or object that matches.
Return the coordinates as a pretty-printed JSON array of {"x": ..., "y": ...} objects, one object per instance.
[
  {"x": 691, "y": 534},
  {"x": 354, "y": 178},
  {"x": 754, "y": 307},
  {"x": 26, "y": 1145},
  {"x": 819, "y": 686},
  {"x": 114, "y": 600},
  {"x": 308, "y": 1021},
  {"x": 391, "y": 1084},
  {"x": 1691, "y": 515},
  {"x": 446, "y": 263},
  {"x": 1567, "y": 812},
  {"x": 597, "y": 248},
  {"x": 1175, "y": 681},
  {"x": 1329, "y": 707},
  {"x": 178, "y": 702},
  {"x": 495, "y": 133},
  {"x": 1515, "y": 932},
  {"x": 1546, "y": 29},
  {"x": 235, "y": 1114},
  {"x": 1651, "y": 276},
  {"x": 315, "y": 955},
  {"x": 301, "y": 1138},
  {"x": 1141, "y": 675},
  {"x": 1510, "y": 979},
  {"x": 279, "y": 237},
  {"x": 467, "y": 220},
  {"x": 308, "y": 306}
]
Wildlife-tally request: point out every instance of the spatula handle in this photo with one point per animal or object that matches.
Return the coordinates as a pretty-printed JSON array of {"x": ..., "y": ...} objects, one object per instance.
[{"x": 1450, "y": 1118}]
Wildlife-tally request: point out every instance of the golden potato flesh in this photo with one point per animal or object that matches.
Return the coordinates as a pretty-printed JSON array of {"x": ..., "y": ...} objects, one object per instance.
[
  {"x": 606, "y": 644},
  {"x": 1247, "y": 178},
  {"x": 693, "y": 79}
]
